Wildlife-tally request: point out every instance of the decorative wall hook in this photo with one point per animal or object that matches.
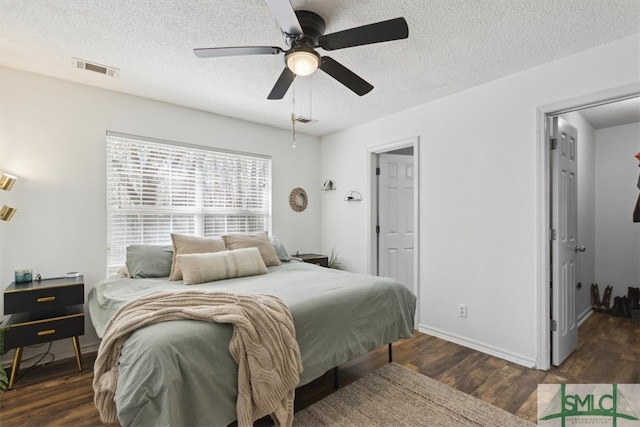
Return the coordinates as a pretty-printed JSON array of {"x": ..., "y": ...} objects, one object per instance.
[
  {"x": 328, "y": 185},
  {"x": 353, "y": 196}
]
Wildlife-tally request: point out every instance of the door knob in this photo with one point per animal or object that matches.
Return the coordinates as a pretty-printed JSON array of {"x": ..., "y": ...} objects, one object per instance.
[{"x": 580, "y": 248}]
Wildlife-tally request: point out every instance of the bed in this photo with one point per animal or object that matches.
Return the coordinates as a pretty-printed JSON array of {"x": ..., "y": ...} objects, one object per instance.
[{"x": 181, "y": 373}]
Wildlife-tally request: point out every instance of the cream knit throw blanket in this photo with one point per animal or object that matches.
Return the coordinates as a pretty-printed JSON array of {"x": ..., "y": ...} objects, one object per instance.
[{"x": 263, "y": 345}]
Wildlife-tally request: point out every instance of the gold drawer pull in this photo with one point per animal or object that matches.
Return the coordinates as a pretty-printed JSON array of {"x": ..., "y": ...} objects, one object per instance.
[
  {"x": 46, "y": 299},
  {"x": 47, "y": 332}
]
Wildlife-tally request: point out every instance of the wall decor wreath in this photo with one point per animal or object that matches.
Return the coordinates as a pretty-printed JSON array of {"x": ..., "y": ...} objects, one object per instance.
[{"x": 298, "y": 199}]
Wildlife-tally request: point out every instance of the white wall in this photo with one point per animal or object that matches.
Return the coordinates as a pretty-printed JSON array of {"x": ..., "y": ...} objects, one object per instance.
[
  {"x": 478, "y": 195},
  {"x": 617, "y": 237},
  {"x": 586, "y": 211},
  {"x": 52, "y": 136}
]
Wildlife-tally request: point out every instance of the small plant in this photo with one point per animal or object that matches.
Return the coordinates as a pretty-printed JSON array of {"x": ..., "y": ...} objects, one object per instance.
[{"x": 334, "y": 260}]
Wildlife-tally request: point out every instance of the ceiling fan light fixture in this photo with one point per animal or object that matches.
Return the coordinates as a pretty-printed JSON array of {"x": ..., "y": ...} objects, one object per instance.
[{"x": 303, "y": 62}]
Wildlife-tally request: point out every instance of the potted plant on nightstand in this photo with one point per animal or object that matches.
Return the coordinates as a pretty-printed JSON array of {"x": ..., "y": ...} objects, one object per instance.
[{"x": 334, "y": 260}]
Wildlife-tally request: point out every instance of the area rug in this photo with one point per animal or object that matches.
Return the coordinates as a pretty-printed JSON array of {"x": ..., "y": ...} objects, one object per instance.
[{"x": 396, "y": 396}]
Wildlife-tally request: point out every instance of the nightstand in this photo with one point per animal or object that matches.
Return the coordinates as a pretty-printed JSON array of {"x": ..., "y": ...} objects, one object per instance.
[
  {"x": 42, "y": 311},
  {"x": 321, "y": 260}
]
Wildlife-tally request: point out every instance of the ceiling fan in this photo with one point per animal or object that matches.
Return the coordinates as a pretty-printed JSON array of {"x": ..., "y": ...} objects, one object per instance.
[{"x": 303, "y": 32}]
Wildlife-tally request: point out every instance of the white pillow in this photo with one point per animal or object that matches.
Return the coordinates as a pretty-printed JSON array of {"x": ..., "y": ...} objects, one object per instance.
[
  {"x": 190, "y": 245},
  {"x": 258, "y": 240},
  {"x": 208, "y": 267}
]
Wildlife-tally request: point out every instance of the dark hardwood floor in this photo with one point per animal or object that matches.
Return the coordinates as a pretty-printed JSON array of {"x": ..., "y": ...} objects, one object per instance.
[{"x": 608, "y": 352}]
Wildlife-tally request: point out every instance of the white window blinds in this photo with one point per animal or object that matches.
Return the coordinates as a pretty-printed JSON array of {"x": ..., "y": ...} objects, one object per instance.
[{"x": 155, "y": 188}]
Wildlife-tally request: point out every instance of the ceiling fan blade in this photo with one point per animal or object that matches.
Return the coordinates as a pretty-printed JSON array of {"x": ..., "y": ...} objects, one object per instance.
[
  {"x": 282, "y": 85},
  {"x": 345, "y": 76},
  {"x": 215, "y": 52},
  {"x": 393, "y": 29},
  {"x": 286, "y": 16}
]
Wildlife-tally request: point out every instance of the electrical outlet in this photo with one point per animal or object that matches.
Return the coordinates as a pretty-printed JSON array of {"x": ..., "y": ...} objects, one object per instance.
[{"x": 462, "y": 310}]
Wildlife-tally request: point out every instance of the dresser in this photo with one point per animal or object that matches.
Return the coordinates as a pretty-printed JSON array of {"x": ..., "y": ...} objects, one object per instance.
[{"x": 42, "y": 311}]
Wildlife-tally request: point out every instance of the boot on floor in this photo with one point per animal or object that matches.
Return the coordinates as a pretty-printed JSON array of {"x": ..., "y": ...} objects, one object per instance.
[
  {"x": 595, "y": 298},
  {"x": 606, "y": 298},
  {"x": 616, "y": 310},
  {"x": 634, "y": 297},
  {"x": 626, "y": 307}
]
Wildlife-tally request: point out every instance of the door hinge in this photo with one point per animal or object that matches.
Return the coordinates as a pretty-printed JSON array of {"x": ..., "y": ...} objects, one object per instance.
[
  {"x": 553, "y": 234},
  {"x": 377, "y": 171},
  {"x": 554, "y": 325},
  {"x": 553, "y": 142},
  {"x": 377, "y": 229}
]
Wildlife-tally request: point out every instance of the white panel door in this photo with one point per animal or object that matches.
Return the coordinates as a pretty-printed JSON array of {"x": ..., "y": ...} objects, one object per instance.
[
  {"x": 564, "y": 243},
  {"x": 395, "y": 217}
]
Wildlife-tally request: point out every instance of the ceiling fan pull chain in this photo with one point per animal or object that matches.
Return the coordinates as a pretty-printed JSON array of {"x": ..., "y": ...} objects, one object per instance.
[
  {"x": 310, "y": 99},
  {"x": 293, "y": 129},
  {"x": 293, "y": 114}
]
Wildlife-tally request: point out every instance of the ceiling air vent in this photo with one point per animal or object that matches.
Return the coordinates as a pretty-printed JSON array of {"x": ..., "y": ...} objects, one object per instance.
[
  {"x": 91, "y": 66},
  {"x": 305, "y": 120}
]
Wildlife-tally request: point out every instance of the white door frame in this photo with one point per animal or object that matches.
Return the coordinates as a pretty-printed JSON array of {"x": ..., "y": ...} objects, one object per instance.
[
  {"x": 543, "y": 220},
  {"x": 372, "y": 152}
]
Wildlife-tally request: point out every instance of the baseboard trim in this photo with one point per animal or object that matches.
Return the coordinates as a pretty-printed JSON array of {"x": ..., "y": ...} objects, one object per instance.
[
  {"x": 67, "y": 353},
  {"x": 582, "y": 317},
  {"x": 483, "y": 347}
]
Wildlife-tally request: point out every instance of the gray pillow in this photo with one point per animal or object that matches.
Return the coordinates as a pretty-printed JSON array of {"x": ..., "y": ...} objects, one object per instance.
[
  {"x": 281, "y": 251},
  {"x": 149, "y": 260}
]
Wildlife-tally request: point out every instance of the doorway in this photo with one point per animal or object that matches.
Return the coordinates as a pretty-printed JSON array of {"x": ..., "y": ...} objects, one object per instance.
[
  {"x": 564, "y": 152},
  {"x": 545, "y": 205},
  {"x": 394, "y": 183}
]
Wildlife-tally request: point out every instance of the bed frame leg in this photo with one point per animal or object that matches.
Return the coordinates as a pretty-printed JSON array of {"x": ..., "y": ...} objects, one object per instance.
[{"x": 390, "y": 353}]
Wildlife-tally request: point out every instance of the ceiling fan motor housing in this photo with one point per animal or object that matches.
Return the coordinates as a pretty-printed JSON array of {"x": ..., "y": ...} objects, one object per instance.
[
  {"x": 313, "y": 27},
  {"x": 302, "y": 59}
]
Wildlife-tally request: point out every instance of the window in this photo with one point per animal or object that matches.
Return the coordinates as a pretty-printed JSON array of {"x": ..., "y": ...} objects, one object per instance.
[{"x": 155, "y": 188}]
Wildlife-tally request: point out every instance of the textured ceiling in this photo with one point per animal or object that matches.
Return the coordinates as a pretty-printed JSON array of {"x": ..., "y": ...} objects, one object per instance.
[
  {"x": 613, "y": 114},
  {"x": 452, "y": 45}
]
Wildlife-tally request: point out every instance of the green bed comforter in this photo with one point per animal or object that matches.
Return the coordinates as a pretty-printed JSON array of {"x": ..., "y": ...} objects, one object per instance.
[{"x": 180, "y": 373}]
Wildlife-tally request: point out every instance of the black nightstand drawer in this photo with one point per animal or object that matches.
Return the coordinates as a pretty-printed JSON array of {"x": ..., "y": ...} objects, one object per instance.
[
  {"x": 321, "y": 260},
  {"x": 43, "y": 299},
  {"x": 35, "y": 332}
]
